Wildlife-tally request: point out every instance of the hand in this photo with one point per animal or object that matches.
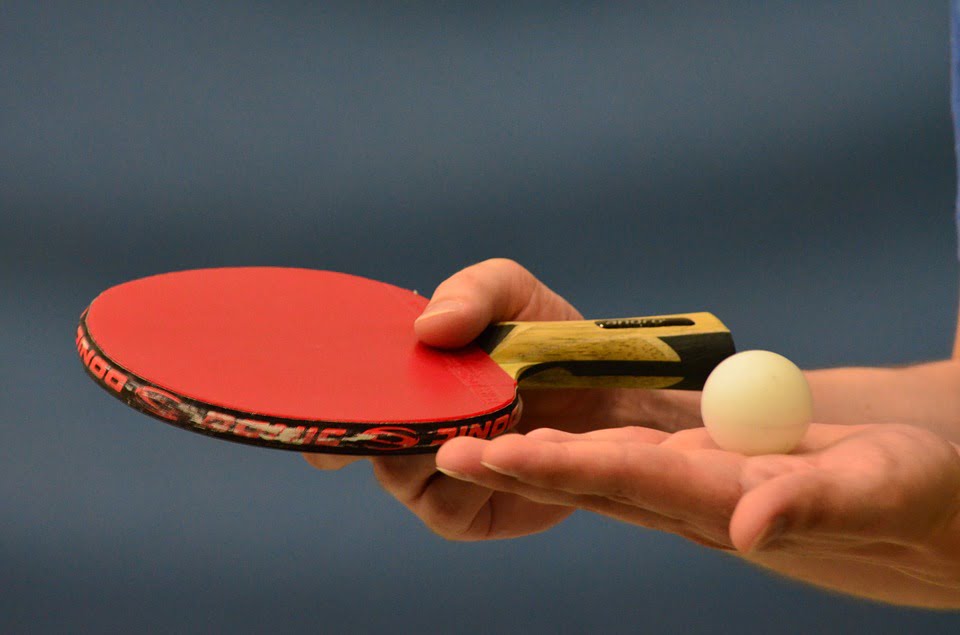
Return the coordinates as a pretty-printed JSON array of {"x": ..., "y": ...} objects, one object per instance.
[
  {"x": 461, "y": 307},
  {"x": 868, "y": 510}
]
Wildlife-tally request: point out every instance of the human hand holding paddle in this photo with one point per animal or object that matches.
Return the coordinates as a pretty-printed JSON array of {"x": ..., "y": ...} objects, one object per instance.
[{"x": 461, "y": 308}]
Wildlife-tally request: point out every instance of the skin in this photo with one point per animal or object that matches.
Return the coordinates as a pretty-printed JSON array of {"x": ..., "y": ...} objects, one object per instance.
[{"x": 868, "y": 504}]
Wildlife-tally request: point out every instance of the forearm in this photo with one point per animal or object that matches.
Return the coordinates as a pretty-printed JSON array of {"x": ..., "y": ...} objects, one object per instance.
[{"x": 924, "y": 395}]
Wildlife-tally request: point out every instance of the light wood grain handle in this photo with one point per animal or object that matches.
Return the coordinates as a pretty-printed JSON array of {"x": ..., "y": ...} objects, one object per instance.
[{"x": 668, "y": 351}]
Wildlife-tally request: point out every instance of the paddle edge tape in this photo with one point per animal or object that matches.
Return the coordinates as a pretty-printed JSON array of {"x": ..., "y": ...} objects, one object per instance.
[{"x": 298, "y": 435}]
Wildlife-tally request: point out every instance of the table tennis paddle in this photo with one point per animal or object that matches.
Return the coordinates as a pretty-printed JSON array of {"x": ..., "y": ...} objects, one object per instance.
[{"x": 319, "y": 361}]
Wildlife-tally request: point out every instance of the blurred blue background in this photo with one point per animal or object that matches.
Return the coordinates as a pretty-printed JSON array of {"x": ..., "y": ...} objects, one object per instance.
[{"x": 786, "y": 165}]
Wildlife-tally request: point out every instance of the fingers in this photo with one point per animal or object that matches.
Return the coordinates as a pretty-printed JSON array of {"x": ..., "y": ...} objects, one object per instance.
[
  {"x": 463, "y": 459},
  {"x": 450, "y": 507},
  {"x": 491, "y": 291},
  {"x": 329, "y": 461},
  {"x": 460, "y": 510},
  {"x": 631, "y": 434},
  {"x": 701, "y": 484},
  {"x": 467, "y": 457}
]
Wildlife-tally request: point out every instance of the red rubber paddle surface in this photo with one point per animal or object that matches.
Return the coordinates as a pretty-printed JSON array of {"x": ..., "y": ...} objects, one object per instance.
[{"x": 292, "y": 343}]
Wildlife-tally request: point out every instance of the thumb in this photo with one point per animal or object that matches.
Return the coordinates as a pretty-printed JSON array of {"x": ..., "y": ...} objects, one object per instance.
[
  {"x": 797, "y": 503},
  {"x": 450, "y": 322},
  {"x": 468, "y": 301},
  {"x": 790, "y": 503},
  {"x": 890, "y": 483}
]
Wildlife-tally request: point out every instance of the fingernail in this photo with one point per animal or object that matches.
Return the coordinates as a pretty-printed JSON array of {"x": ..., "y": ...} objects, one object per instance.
[
  {"x": 498, "y": 469},
  {"x": 440, "y": 307},
  {"x": 773, "y": 533},
  {"x": 453, "y": 474}
]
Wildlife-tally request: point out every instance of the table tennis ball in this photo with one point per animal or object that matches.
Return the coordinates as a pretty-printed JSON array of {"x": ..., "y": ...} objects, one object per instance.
[{"x": 756, "y": 402}]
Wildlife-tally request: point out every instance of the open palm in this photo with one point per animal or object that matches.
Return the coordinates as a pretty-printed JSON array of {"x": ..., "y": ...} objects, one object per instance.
[{"x": 863, "y": 509}]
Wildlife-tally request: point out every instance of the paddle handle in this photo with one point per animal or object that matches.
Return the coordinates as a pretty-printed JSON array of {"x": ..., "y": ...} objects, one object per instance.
[{"x": 668, "y": 351}]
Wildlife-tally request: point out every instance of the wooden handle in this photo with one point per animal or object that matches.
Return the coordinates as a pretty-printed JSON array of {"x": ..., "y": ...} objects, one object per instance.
[{"x": 668, "y": 351}]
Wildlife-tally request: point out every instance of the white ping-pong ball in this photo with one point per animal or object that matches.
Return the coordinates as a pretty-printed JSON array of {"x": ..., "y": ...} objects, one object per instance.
[{"x": 756, "y": 402}]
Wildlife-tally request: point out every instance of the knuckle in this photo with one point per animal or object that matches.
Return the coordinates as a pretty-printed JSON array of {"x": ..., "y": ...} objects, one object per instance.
[
  {"x": 501, "y": 285},
  {"x": 505, "y": 270}
]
